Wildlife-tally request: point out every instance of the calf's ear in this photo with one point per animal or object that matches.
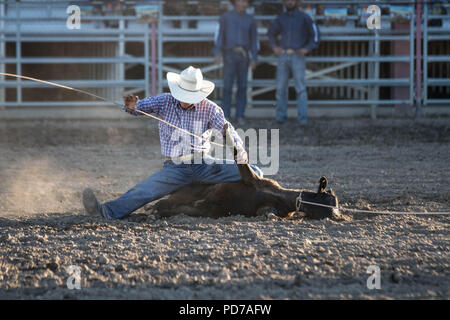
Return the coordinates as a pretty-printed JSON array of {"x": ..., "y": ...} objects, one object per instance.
[{"x": 323, "y": 182}]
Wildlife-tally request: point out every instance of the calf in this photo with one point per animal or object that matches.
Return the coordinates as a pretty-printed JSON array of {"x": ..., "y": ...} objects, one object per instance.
[{"x": 251, "y": 196}]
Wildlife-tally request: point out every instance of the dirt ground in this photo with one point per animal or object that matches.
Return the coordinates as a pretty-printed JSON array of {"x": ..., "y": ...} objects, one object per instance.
[{"x": 390, "y": 164}]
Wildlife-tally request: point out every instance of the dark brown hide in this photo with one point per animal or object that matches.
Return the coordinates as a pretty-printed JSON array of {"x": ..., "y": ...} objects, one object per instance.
[
  {"x": 229, "y": 198},
  {"x": 251, "y": 196}
]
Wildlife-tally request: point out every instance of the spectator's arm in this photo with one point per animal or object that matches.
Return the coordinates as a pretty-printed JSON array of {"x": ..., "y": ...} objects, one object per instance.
[
  {"x": 313, "y": 35},
  {"x": 274, "y": 31},
  {"x": 254, "y": 41},
  {"x": 219, "y": 37}
]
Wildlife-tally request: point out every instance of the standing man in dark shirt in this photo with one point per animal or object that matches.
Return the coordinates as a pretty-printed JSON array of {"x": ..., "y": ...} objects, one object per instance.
[
  {"x": 236, "y": 37},
  {"x": 298, "y": 36}
]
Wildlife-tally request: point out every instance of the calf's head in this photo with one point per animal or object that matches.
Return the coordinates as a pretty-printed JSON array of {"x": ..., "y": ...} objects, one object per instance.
[
  {"x": 320, "y": 204},
  {"x": 315, "y": 205}
]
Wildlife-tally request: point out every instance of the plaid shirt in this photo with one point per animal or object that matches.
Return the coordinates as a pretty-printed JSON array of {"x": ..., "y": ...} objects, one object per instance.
[{"x": 198, "y": 120}]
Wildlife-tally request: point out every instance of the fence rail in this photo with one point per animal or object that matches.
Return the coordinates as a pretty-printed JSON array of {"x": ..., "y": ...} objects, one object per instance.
[
  {"x": 22, "y": 33},
  {"x": 433, "y": 34}
]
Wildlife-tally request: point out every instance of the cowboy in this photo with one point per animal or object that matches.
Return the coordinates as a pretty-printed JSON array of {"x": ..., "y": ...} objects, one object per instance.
[
  {"x": 236, "y": 36},
  {"x": 299, "y": 35},
  {"x": 186, "y": 107}
]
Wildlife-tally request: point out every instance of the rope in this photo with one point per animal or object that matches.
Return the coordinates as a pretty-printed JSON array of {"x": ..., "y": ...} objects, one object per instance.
[
  {"x": 218, "y": 144},
  {"x": 106, "y": 100},
  {"x": 370, "y": 211},
  {"x": 181, "y": 129}
]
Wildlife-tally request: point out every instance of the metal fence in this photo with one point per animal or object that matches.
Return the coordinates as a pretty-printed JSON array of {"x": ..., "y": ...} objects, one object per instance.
[
  {"x": 434, "y": 34},
  {"x": 316, "y": 77},
  {"x": 327, "y": 72},
  {"x": 51, "y": 28}
]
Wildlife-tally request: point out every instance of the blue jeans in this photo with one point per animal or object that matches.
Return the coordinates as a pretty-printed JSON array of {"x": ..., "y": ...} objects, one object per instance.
[
  {"x": 235, "y": 65},
  {"x": 296, "y": 64},
  {"x": 171, "y": 178}
]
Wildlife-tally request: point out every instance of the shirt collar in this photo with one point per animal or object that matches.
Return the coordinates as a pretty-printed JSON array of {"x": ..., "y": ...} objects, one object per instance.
[
  {"x": 193, "y": 107},
  {"x": 292, "y": 13},
  {"x": 239, "y": 14}
]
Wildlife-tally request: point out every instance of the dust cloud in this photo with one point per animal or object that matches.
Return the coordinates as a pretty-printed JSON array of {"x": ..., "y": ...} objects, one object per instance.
[{"x": 37, "y": 185}]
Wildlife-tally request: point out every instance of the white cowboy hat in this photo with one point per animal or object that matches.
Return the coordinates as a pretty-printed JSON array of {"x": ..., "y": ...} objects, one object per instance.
[{"x": 189, "y": 86}]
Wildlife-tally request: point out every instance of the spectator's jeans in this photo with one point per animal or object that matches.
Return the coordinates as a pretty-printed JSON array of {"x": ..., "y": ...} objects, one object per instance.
[
  {"x": 234, "y": 65},
  {"x": 296, "y": 64},
  {"x": 171, "y": 178}
]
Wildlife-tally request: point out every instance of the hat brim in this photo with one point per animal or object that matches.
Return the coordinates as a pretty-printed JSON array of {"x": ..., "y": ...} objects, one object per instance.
[{"x": 187, "y": 96}]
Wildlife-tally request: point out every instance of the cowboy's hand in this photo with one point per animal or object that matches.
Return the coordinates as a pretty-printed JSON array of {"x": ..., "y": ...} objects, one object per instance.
[
  {"x": 241, "y": 157},
  {"x": 302, "y": 51},
  {"x": 218, "y": 59},
  {"x": 278, "y": 51},
  {"x": 253, "y": 65},
  {"x": 130, "y": 102}
]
